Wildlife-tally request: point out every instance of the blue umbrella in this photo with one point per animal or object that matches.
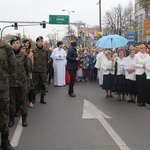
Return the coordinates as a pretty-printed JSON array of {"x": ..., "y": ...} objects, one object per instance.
[{"x": 111, "y": 41}]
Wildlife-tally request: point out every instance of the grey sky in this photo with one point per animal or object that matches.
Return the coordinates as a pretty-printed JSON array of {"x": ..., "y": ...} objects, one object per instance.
[{"x": 31, "y": 10}]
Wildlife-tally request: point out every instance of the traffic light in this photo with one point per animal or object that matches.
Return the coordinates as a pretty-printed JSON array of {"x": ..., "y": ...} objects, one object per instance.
[
  {"x": 15, "y": 25},
  {"x": 44, "y": 24}
]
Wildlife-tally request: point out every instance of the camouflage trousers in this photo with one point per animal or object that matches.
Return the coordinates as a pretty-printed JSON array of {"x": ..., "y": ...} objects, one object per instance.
[
  {"x": 18, "y": 97},
  {"x": 4, "y": 111},
  {"x": 40, "y": 80}
]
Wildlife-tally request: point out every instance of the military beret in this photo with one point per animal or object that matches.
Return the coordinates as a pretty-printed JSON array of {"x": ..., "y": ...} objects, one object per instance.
[
  {"x": 14, "y": 38},
  {"x": 39, "y": 38}
]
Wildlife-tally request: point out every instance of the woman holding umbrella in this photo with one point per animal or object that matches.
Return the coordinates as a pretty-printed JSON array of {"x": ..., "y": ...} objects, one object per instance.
[{"x": 108, "y": 68}]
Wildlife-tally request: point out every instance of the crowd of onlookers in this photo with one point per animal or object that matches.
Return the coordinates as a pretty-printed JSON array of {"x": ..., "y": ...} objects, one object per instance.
[{"x": 124, "y": 71}]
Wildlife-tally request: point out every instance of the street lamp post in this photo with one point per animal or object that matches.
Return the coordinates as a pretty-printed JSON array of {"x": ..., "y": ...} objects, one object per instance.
[
  {"x": 100, "y": 22},
  {"x": 56, "y": 33},
  {"x": 69, "y": 21},
  {"x": 3, "y": 30}
]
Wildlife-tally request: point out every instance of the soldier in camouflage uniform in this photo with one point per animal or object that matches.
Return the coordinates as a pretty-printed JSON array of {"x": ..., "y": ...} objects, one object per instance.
[
  {"x": 39, "y": 71},
  {"x": 7, "y": 65},
  {"x": 18, "y": 82}
]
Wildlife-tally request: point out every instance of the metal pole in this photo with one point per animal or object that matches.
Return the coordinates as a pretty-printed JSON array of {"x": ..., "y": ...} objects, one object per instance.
[
  {"x": 68, "y": 27},
  {"x": 3, "y": 30},
  {"x": 57, "y": 36},
  {"x": 18, "y": 25},
  {"x": 100, "y": 24},
  {"x": 84, "y": 35},
  {"x": 130, "y": 19},
  {"x": 24, "y": 22}
]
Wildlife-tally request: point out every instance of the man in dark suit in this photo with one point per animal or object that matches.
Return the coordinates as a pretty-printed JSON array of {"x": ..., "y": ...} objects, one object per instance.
[{"x": 72, "y": 66}]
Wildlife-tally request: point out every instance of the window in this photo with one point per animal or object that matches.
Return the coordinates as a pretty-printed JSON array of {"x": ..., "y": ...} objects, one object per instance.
[
  {"x": 136, "y": 6},
  {"x": 141, "y": 18},
  {"x": 140, "y": 32},
  {"x": 148, "y": 12},
  {"x": 136, "y": 19}
]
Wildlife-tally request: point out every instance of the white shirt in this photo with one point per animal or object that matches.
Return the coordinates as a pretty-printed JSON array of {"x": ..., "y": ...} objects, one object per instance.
[
  {"x": 130, "y": 65},
  {"x": 148, "y": 68},
  {"x": 121, "y": 65},
  {"x": 139, "y": 62},
  {"x": 99, "y": 60},
  {"x": 98, "y": 55},
  {"x": 105, "y": 65}
]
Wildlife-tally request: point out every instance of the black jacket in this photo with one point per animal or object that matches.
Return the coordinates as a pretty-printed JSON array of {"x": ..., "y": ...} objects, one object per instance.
[{"x": 72, "y": 63}]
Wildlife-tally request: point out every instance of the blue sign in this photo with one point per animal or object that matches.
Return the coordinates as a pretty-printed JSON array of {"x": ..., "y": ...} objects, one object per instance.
[{"x": 131, "y": 38}]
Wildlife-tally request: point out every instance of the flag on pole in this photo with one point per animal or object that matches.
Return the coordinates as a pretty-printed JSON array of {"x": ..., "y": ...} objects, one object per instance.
[{"x": 91, "y": 36}]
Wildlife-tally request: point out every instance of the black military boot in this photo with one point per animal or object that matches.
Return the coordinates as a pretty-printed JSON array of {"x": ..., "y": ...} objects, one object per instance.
[
  {"x": 11, "y": 121},
  {"x": 5, "y": 144},
  {"x": 42, "y": 100},
  {"x": 24, "y": 121},
  {"x": 17, "y": 113}
]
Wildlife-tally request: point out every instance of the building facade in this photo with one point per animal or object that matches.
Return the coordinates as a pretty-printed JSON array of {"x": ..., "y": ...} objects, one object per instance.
[{"x": 142, "y": 21}]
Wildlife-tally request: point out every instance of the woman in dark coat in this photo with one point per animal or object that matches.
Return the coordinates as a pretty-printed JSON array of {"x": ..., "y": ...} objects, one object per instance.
[{"x": 72, "y": 66}]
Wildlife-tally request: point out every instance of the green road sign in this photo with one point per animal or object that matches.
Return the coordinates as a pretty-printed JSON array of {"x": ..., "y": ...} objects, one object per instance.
[{"x": 58, "y": 19}]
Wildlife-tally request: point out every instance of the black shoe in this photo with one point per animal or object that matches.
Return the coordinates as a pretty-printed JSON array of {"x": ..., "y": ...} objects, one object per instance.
[
  {"x": 72, "y": 95},
  {"x": 133, "y": 101},
  {"x": 123, "y": 99},
  {"x": 139, "y": 104},
  {"x": 42, "y": 100},
  {"x": 143, "y": 104},
  {"x": 11, "y": 121},
  {"x": 107, "y": 96},
  {"x": 24, "y": 121},
  {"x": 5, "y": 144},
  {"x": 129, "y": 101},
  {"x": 111, "y": 96}
]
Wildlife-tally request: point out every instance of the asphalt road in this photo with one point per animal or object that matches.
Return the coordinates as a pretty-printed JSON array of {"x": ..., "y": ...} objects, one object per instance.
[{"x": 59, "y": 125}]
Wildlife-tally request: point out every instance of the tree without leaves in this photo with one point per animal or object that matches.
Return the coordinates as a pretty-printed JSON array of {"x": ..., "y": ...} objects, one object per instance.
[
  {"x": 118, "y": 20},
  {"x": 51, "y": 39}
]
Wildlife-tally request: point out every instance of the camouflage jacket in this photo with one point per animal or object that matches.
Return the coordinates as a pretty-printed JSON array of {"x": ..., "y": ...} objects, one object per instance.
[
  {"x": 40, "y": 60},
  {"x": 21, "y": 72},
  {"x": 7, "y": 65}
]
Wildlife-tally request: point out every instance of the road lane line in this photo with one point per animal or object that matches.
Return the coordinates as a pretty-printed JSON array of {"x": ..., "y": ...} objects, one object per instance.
[
  {"x": 17, "y": 134},
  {"x": 121, "y": 144},
  {"x": 90, "y": 111}
]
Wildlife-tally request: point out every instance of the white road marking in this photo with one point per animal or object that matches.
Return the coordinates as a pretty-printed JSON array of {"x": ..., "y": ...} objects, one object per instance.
[
  {"x": 17, "y": 134},
  {"x": 92, "y": 112}
]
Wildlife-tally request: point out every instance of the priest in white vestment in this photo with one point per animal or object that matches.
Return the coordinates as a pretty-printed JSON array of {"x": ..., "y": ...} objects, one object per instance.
[
  {"x": 98, "y": 66},
  {"x": 59, "y": 63}
]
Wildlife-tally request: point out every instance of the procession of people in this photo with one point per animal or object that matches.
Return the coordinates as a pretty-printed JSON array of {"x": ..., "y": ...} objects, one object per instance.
[{"x": 123, "y": 72}]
